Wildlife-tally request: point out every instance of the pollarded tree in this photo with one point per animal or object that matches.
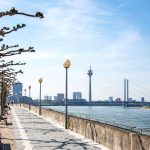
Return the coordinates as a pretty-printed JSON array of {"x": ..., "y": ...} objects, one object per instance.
[{"x": 7, "y": 77}]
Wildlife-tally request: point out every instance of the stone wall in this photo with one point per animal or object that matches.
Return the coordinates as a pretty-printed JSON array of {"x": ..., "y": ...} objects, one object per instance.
[
  {"x": 112, "y": 137},
  {"x": 57, "y": 116}
]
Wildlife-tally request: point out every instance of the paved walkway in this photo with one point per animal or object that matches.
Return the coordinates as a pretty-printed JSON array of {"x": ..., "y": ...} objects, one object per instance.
[{"x": 32, "y": 132}]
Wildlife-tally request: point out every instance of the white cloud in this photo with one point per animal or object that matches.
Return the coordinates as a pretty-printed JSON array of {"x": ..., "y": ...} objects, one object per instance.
[
  {"x": 124, "y": 43},
  {"x": 74, "y": 18},
  {"x": 37, "y": 56}
]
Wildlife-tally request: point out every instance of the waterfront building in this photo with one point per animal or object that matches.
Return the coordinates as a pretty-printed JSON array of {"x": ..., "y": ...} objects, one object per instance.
[
  {"x": 90, "y": 73},
  {"x": 110, "y": 99},
  {"x": 118, "y": 99},
  {"x": 77, "y": 100},
  {"x": 60, "y": 97},
  {"x": 142, "y": 99},
  {"x": 47, "y": 97},
  {"x": 17, "y": 89},
  {"x": 77, "y": 95},
  {"x": 130, "y": 99},
  {"x": 55, "y": 98}
]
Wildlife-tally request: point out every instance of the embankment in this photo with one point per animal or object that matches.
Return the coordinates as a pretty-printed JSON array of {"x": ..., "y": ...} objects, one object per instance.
[{"x": 112, "y": 137}]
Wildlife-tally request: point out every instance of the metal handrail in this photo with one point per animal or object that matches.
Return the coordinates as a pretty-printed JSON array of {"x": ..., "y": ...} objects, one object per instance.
[
  {"x": 123, "y": 126},
  {"x": 143, "y": 130}
]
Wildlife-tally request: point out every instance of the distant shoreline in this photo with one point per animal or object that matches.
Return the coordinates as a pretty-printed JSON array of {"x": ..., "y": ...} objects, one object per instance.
[{"x": 147, "y": 107}]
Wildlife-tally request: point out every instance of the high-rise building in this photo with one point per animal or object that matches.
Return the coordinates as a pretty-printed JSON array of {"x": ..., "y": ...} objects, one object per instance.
[
  {"x": 60, "y": 97},
  {"x": 110, "y": 99},
  {"x": 55, "y": 98},
  {"x": 77, "y": 95},
  {"x": 17, "y": 89},
  {"x": 142, "y": 99}
]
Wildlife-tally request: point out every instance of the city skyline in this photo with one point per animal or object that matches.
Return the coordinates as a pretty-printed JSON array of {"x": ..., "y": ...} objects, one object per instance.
[
  {"x": 111, "y": 36},
  {"x": 76, "y": 95}
]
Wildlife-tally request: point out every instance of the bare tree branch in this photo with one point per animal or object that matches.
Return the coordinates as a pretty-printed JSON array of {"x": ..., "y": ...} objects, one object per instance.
[
  {"x": 5, "y": 47},
  {"x": 13, "y": 11},
  {"x": 11, "y": 63},
  {"x": 15, "y": 52},
  {"x": 5, "y": 31}
]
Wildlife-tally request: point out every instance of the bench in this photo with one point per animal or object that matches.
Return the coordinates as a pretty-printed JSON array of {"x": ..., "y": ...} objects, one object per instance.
[{"x": 7, "y": 119}]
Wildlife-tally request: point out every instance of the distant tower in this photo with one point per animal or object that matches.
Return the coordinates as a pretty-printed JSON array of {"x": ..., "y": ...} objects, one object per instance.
[
  {"x": 126, "y": 92},
  {"x": 90, "y": 73}
]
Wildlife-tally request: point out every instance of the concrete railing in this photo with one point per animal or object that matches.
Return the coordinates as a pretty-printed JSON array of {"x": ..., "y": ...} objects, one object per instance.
[{"x": 114, "y": 138}]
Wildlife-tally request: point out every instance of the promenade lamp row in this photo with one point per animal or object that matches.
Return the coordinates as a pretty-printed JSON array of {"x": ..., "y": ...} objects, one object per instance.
[
  {"x": 66, "y": 65},
  {"x": 29, "y": 87}
]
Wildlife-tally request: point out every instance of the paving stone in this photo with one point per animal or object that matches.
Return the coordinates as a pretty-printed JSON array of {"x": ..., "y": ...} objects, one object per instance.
[{"x": 43, "y": 135}]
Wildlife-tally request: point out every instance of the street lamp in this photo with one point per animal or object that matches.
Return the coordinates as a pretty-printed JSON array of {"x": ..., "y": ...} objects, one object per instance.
[
  {"x": 66, "y": 65},
  {"x": 25, "y": 92},
  {"x": 29, "y": 97},
  {"x": 40, "y": 81},
  {"x": 24, "y": 100}
]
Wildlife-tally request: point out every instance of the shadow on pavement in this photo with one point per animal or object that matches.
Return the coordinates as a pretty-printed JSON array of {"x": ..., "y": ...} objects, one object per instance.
[{"x": 52, "y": 143}]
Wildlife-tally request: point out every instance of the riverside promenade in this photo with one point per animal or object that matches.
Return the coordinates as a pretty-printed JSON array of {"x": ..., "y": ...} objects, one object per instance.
[{"x": 34, "y": 132}]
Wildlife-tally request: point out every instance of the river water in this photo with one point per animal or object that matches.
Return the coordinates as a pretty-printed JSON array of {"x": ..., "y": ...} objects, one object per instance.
[{"x": 129, "y": 116}]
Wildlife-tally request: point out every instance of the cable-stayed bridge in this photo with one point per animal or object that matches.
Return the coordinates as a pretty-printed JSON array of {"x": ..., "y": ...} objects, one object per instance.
[{"x": 128, "y": 92}]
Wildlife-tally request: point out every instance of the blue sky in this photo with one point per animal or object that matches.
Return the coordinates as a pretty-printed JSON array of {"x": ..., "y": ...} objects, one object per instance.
[{"x": 112, "y": 36}]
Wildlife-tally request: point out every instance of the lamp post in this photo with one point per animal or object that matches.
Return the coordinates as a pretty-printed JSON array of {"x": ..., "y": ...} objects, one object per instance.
[
  {"x": 40, "y": 81},
  {"x": 29, "y": 97},
  {"x": 24, "y": 100},
  {"x": 25, "y": 90},
  {"x": 66, "y": 65}
]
